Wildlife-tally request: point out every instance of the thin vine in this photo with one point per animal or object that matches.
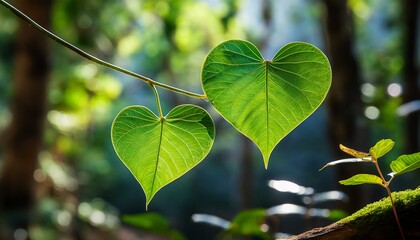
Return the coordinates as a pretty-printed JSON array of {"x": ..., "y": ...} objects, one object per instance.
[
  {"x": 157, "y": 101},
  {"x": 94, "y": 59}
]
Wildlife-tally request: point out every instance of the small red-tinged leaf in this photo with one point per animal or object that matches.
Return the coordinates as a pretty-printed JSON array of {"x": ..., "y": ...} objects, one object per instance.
[
  {"x": 381, "y": 148},
  {"x": 406, "y": 163},
  {"x": 362, "y": 179},
  {"x": 354, "y": 153}
]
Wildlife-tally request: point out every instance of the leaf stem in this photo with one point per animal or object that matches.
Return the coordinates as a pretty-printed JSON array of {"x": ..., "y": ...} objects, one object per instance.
[
  {"x": 92, "y": 58},
  {"x": 157, "y": 100},
  {"x": 386, "y": 186}
]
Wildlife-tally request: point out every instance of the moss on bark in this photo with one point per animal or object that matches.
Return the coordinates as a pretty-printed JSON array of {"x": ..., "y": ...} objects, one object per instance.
[{"x": 375, "y": 221}]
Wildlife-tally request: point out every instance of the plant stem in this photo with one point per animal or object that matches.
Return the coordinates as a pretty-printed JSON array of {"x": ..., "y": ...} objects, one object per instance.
[
  {"x": 386, "y": 186},
  {"x": 92, "y": 58},
  {"x": 157, "y": 100}
]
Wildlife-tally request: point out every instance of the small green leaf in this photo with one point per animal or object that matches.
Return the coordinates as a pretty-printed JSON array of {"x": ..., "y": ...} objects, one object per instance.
[
  {"x": 405, "y": 163},
  {"x": 346, "y": 160},
  {"x": 265, "y": 99},
  {"x": 362, "y": 179},
  {"x": 381, "y": 148},
  {"x": 159, "y": 150}
]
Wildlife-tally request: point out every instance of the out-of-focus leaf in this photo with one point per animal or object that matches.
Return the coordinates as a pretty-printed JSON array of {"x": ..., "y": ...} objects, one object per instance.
[
  {"x": 249, "y": 223},
  {"x": 337, "y": 214},
  {"x": 362, "y": 179},
  {"x": 405, "y": 163},
  {"x": 354, "y": 153},
  {"x": 381, "y": 148},
  {"x": 347, "y": 160},
  {"x": 153, "y": 223}
]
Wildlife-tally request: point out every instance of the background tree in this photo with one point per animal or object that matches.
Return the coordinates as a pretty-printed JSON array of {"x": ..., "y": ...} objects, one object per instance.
[
  {"x": 82, "y": 187},
  {"x": 410, "y": 11},
  {"x": 22, "y": 141},
  {"x": 344, "y": 100}
]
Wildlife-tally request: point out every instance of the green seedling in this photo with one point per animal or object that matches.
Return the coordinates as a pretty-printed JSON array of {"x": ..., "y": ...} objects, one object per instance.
[{"x": 403, "y": 164}]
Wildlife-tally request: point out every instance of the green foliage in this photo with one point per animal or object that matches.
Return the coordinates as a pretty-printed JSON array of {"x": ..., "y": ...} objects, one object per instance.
[
  {"x": 158, "y": 150},
  {"x": 248, "y": 223},
  {"x": 154, "y": 223},
  {"x": 362, "y": 179},
  {"x": 405, "y": 163},
  {"x": 367, "y": 214},
  {"x": 381, "y": 148},
  {"x": 265, "y": 100}
]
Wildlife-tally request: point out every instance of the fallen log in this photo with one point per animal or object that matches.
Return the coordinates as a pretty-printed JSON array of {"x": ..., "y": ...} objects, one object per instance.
[{"x": 375, "y": 221}]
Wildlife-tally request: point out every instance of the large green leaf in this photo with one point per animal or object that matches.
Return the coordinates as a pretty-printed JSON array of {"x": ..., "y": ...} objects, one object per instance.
[
  {"x": 381, "y": 148},
  {"x": 406, "y": 163},
  {"x": 159, "y": 150},
  {"x": 265, "y": 99},
  {"x": 362, "y": 179}
]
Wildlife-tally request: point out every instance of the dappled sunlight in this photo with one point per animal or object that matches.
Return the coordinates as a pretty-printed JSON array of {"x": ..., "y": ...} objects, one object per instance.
[{"x": 62, "y": 158}]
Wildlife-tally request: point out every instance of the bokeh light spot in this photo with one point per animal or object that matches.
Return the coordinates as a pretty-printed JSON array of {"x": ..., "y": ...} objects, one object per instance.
[
  {"x": 372, "y": 112},
  {"x": 394, "y": 89}
]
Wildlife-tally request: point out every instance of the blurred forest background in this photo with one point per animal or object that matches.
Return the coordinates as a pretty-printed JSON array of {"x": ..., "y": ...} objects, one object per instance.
[{"x": 59, "y": 175}]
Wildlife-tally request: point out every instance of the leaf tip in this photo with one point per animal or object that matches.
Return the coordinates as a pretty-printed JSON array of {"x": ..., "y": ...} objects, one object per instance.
[
  {"x": 266, "y": 164},
  {"x": 326, "y": 165}
]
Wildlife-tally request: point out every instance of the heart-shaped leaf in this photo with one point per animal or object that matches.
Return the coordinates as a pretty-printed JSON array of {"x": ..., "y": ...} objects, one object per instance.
[
  {"x": 159, "y": 150},
  {"x": 265, "y": 99}
]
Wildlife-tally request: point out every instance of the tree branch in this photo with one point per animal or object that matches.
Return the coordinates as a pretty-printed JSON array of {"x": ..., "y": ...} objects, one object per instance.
[{"x": 92, "y": 58}]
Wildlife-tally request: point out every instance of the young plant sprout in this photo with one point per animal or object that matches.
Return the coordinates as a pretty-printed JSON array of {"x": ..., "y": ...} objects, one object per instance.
[{"x": 403, "y": 164}]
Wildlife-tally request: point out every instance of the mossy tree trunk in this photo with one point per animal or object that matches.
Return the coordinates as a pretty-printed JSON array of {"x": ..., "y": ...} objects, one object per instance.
[{"x": 375, "y": 221}]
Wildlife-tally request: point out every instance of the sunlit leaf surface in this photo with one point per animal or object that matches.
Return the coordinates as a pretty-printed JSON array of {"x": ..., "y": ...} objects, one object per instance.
[
  {"x": 159, "y": 150},
  {"x": 381, "y": 148},
  {"x": 354, "y": 153},
  {"x": 362, "y": 179},
  {"x": 265, "y": 99},
  {"x": 406, "y": 163}
]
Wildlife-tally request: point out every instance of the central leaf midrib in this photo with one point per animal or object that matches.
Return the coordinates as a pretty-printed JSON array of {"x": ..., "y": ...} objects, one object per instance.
[
  {"x": 157, "y": 157},
  {"x": 266, "y": 102}
]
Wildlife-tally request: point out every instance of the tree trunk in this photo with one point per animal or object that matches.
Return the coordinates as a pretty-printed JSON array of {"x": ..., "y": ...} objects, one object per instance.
[
  {"x": 410, "y": 75},
  {"x": 344, "y": 102},
  {"x": 22, "y": 140},
  {"x": 375, "y": 222}
]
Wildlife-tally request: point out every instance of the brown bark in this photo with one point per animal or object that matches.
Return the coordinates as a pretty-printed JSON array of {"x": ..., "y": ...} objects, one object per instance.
[
  {"x": 375, "y": 222},
  {"x": 410, "y": 74},
  {"x": 344, "y": 102},
  {"x": 22, "y": 140}
]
